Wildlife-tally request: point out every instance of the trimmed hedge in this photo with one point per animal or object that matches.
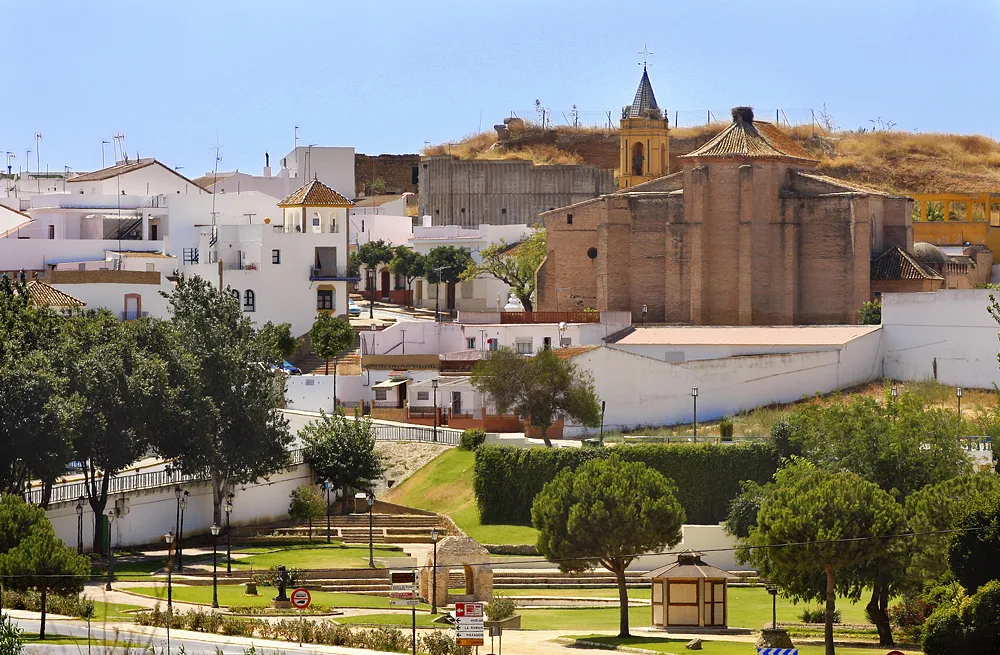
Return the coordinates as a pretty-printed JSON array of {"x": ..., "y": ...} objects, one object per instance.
[{"x": 707, "y": 475}]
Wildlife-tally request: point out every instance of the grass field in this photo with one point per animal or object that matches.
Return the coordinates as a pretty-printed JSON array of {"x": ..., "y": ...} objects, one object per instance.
[
  {"x": 444, "y": 485},
  {"x": 316, "y": 556},
  {"x": 676, "y": 646},
  {"x": 112, "y": 611},
  {"x": 234, "y": 595}
]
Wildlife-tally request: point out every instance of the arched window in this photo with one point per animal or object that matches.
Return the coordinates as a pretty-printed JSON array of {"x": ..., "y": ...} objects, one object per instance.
[
  {"x": 333, "y": 221},
  {"x": 249, "y": 301},
  {"x": 317, "y": 222},
  {"x": 235, "y": 294}
]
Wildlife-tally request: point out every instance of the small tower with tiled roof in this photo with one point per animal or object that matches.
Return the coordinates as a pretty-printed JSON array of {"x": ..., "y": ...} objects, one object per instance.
[
  {"x": 644, "y": 138},
  {"x": 315, "y": 207}
]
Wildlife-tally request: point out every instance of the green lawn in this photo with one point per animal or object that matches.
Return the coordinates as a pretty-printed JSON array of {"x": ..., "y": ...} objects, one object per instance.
[
  {"x": 234, "y": 595},
  {"x": 606, "y": 592},
  {"x": 112, "y": 611},
  {"x": 317, "y": 556},
  {"x": 444, "y": 485},
  {"x": 424, "y": 620},
  {"x": 750, "y": 607},
  {"x": 676, "y": 646}
]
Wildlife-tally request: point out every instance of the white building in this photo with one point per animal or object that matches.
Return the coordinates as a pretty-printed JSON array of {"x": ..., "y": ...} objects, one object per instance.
[
  {"x": 334, "y": 165},
  {"x": 143, "y": 177}
]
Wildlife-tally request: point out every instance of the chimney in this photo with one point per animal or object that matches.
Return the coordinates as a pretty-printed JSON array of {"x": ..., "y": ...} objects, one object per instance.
[{"x": 267, "y": 165}]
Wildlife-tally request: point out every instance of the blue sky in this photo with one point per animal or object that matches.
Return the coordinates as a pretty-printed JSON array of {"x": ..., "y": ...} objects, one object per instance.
[{"x": 387, "y": 76}]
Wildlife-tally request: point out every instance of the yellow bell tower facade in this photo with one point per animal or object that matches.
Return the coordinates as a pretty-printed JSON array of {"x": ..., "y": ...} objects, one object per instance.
[{"x": 645, "y": 139}]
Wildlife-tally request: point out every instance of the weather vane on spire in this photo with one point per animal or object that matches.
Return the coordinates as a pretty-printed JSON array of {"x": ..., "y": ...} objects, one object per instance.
[{"x": 645, "y": 55}]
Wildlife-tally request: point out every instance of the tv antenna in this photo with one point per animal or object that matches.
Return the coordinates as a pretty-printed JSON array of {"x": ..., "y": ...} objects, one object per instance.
[{"x": 119, "y": 139}]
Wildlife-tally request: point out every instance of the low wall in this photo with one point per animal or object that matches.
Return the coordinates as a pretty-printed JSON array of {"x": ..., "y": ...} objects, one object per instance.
[{"x": 311, "y": 393}]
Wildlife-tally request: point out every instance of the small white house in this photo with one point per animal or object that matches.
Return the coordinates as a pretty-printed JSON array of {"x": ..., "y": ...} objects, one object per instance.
[{"x": 143, "y": 177}]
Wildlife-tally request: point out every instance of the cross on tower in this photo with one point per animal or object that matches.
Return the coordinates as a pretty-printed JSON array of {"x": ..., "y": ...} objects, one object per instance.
[{"x": 645, "y": 55}]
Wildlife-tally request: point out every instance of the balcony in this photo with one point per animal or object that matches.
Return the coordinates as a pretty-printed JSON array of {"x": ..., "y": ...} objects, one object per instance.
[
  {"x": 132, "y": 315},
  {"x": 332, "y": 273}
]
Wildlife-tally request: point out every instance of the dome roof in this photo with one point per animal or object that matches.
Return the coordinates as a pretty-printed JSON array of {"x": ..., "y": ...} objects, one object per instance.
[{"x": 928, "y": 253}]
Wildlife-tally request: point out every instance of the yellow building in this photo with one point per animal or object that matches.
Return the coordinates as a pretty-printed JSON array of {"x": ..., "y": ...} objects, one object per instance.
[{"x": 645, "y": 140}]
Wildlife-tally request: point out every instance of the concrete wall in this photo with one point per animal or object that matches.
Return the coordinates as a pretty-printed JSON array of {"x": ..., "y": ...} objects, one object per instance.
[
  {"x": 946, "y": 336},
  {"x": 312, "y": 393}
]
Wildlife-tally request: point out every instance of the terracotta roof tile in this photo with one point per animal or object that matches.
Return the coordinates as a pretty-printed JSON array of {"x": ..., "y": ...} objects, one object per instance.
[
  {"x": 569, "y": 352},
  {"x": 897, "y": 264},
  {"x": 746, "y": 138},
  {"x": 123, "y": 168},
  {"x": 315, "y": 194},
  {"x": 43, "y": 295}
]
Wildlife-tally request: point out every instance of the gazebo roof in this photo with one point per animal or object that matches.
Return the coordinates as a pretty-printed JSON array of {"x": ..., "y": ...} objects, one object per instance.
[{"x": 688, "y": 566}]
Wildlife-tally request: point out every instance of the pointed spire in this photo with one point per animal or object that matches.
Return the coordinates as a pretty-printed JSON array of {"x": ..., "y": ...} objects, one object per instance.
[{"x": 644, "y": 105}]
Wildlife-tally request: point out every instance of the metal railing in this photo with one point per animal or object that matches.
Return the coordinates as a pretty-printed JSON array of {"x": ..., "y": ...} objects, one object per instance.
[
  {"x": 119, "y": 484},
  {"x": 328, "y": 272},
  {"x": 416, "y": 433},
  {"x": 132, "y": 315}
]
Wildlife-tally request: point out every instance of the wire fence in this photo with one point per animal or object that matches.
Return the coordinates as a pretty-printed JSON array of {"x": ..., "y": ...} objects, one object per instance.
[{"x": 608, "y": 119}]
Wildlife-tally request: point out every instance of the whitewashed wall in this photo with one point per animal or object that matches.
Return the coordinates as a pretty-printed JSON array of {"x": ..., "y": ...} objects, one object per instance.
[
  {"x": 311, "y": 393},
  {"x": 946, "y": 336}
]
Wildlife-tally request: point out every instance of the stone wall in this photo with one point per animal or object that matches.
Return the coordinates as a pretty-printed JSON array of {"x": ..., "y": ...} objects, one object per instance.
[{"x": 397, "y": 171}]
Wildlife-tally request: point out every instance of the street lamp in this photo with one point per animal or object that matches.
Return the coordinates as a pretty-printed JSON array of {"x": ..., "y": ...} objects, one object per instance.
[
  {"x": 694, "y": 399},
  {"x": 326, "y": 488},
  {"x": 228, "y": 507},
  {"x": 773, "y": 590},
  {"x": 110, "y": 513},
  {"x": 370, "y": 497},
  {"x": 169, "y": 538},
  {"x": 437, "y": 292},
  {"x": 215, "y": 565},
  {"x": 180, "y": 532},
  {"x": 643, "y": 318},
  {"x": 79, "y": 525},
  {"x": 434, "y": 588},
  {"x": 958, "y": 394},
  {"x": 178, "y": 493},
  {"x": 434, "y": 385}
]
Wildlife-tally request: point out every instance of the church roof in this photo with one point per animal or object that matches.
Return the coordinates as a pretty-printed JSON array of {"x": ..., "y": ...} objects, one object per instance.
[
  {"x": 746, "y": 138},
  {"x": 644, "y": 101},
  {"x": 315, "y": 194},
  {"x": 897, "y": 264}
]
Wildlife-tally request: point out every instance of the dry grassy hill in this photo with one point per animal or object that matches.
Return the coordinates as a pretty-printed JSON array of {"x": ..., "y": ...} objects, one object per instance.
[{"x": 898, "y": 162}]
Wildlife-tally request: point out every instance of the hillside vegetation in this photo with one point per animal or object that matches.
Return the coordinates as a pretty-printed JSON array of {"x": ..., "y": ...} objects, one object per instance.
[{"x": 896, "y": 162}]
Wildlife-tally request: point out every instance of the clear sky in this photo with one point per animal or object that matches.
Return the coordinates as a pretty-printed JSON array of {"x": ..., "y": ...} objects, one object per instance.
[{"x": 386, "y": 76}]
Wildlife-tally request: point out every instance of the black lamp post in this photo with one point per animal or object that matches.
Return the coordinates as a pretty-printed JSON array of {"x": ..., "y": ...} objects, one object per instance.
[
  {"x": 434, "y": 574},
  {"x": 326, "y": 488},
  {"x": 110, "y": 513},
  {"x": 228, "y": 507},
  {"x": 434, "y": 386},
  {"x": 958, "y": 394},
  {"x": 79, "y": 525},
  {"x": 643, "y": 318},
  {"x": 215, "y": 566},
  {"x": 180, "y": 533},
  {"x": 694, "y": 399},
  {"x": 773, "y": 590},
  {"x": 169, "y": 538},
  {"x": 370, "y": 497},
  {"x": 178, "y": 492}
]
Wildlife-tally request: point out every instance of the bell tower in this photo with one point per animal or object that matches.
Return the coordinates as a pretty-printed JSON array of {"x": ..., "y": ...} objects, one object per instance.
[{"x": 644, "y": 138}]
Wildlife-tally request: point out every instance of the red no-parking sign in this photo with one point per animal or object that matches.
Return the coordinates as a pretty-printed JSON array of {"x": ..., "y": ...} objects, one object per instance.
[{"x": 301, "y": 598}]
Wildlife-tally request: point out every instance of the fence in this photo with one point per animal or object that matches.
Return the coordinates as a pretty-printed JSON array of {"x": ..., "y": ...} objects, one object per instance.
[
  {"x": 608, "y": 119},
  {"x": 447, "y": 436},
  {"x": 524, "y": 318}
]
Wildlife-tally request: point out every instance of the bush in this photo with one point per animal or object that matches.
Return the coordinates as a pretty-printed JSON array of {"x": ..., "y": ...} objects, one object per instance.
[
  {"x": 11, "y": 637},
  {"x": 726, "y": 428},
  {"x": 944, "y": 632},
  {"x": 500, "y": 608},
  {"x": 439, "y": 643},
  {"x": 909, "y": 616},
  {"x": 708, "y": 476},
  {"x": 31, "y": 601},
  {"x": 817, "y": 615},
  {"x": 269, "y": 578},
  {"x": 472, "y": 439}
]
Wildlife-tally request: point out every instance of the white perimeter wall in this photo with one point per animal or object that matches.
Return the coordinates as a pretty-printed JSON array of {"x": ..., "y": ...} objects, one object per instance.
[
  {"x": 945, "y": 335},
  {"x": 152, "y": 513},
  {"x": 644, "y": 391},
  {"x": 112, "y": 296},
  {"x": 311, "y": 393}
]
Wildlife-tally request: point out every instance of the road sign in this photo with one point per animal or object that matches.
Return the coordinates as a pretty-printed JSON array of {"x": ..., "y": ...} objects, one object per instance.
[
  {"x": 404, "y": 602},
  {"x": 469, "y": 624},
  {"x": 301, "y": 598}
]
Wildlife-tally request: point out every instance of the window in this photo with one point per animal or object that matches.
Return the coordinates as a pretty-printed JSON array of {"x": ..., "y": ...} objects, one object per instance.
[
  {"x": 333, "y": 221},
  {"x": 324, "y": 299},
  {"x": 503, "y": 211},
  {"x": 493, "y": 343},
  {"x": 565, "y": 341},
  {"x": 235, "y": 294},
  {"x": 275, "y": 256},
  {"x": 249, "y": 301},
  {"x": 523, "y": 346},
  {"x": 52, "y": 231},
  {"x": 592, "y": 253},
  {"x": 380, "y": 394},
  {"x": 569, "y": 219},
  {"x": 470, "y": 343},
  {"x": 150, "y": 268},
  {"x": 467, "y": 290},
  {"x": 547, "y": 343},
  {"x": 423, "y": 395}
]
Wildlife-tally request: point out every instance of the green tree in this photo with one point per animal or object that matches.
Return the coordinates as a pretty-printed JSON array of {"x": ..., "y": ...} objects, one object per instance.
[
  {"x": 342, "y": 452},
  {"x": 537, "y": 388},
  {"x": 278, "y": 338},
  {"x": 513, "y": 264},
  {"x": 834, "y": 521},
  {"x": 407, "y": 262},
  {"x": 306, "y": 505},
  {"x": 445, "y": 265},
  {"x": 870, "y": 313},
  {"x": 330, "y": 336},
  {"x": 372, "y": 255},
  {"x": 973, "y": 551},
  {"x": 39, "y": 560},
  {"x": 11, "y": 637},
  {"x": 241, "y": 436},
  {"x": 604, "y": 513}
]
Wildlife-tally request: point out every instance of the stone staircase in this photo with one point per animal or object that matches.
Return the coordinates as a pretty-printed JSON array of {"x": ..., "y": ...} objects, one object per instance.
[
  {"x": 347, "y": 364},
  {"x": 542, "y": 579},
  {"x": 386, "y": 528}
]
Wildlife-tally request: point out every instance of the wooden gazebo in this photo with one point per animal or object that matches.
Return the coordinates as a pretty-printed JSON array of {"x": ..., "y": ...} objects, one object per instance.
[{"x": 689, "y": 593}]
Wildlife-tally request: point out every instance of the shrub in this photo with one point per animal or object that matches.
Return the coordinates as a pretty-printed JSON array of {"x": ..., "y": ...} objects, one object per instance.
[
  {"x": 439, "y": 643},
  {"x": 726, "y": 428},
  {"x": 11, "y": 637},
  {"x": 472, "y": 439},
  {"x": 944, "y": 632},
  {"x": 909, "y": 616},
  {"x": 269, "y": 578},
  {"x": 500, "y": 608},
  {"x": 817, "y": 615},
  {"x": 708, "y": 476},
  {"x": 31, "y": 601}
]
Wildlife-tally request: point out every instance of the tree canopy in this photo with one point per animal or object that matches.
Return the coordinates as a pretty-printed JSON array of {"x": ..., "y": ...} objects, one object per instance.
[
  {"x": 330, "y": 336},
  {"x": 604, "y": 513},
  {"x": 537, "y": 388},
  {"x": 407, "y": 262},
  {"x": 513, "y": 264},
  {"x": 446, "y": 264},
  {"x": 341, "y": 451}
]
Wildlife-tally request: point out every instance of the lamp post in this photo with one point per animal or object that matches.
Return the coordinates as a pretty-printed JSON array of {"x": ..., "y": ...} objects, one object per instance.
[
  {"x": 180, "y": 533},
  {"x": 228, "y": 507},
  {"x": 370, "y": 497},
  {"x": 169, "y": 538},
  {"x": 437, "y": 292},
  {"x": 326, "y": 488},
  {"x": 110, "y": 513},
  {"x": 434, "y": 386},
  {"x": 643, "y": 318},
  {"x": 958, "y": 394},
  {"x": 79, "y": 525},
  {"x": 178, "y": 492},
  {"x": 773, "y": 590},
  {"x": 434, "y": 574},
  {"x": 694, "y": 399},
  {"x": 215, "y": 565}
]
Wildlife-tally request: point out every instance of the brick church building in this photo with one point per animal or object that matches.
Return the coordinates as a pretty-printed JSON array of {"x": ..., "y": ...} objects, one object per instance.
[{"x": 745, "y": 234}]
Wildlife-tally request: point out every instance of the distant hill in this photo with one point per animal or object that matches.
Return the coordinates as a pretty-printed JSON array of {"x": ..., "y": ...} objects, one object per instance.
[{"x": 897, "y": 162}]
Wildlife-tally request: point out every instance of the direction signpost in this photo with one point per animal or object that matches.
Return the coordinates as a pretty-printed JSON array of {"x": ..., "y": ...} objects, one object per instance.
[
  {"x": 301, "y": 598},
  {"x": 469, "y": 624},
  {"x": 403, "y": 592}
]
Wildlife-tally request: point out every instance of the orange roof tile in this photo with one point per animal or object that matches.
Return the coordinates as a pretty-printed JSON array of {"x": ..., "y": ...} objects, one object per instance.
[
  {"x": 569, "y": 352},
  {"x": 746, "y": 138},
  {"x": 122, "y": 168},
  {"x": 43, "y": 295},
  {"x": 315, "y": 194}
]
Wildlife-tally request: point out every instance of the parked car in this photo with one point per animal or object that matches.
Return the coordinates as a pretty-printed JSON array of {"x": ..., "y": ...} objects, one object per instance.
[{"x": 352, "y": 308}]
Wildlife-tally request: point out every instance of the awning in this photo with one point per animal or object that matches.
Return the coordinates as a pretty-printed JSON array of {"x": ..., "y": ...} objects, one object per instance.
[{"x": 389, "y": 384}]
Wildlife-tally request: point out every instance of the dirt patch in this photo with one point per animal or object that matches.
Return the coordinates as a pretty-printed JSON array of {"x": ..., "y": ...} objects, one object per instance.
[{"x": 403, "y": 458}]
